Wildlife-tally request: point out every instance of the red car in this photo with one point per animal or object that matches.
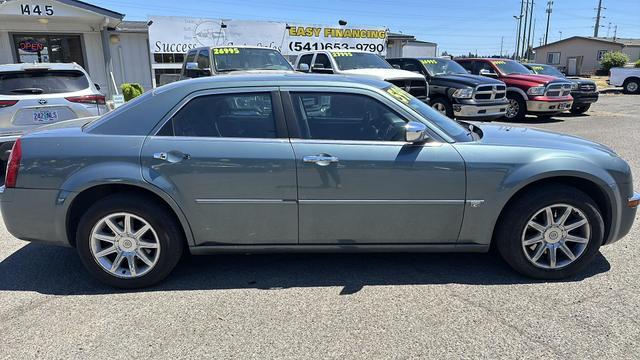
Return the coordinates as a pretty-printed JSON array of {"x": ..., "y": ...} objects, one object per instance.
[{"x": 528, "y": 93}]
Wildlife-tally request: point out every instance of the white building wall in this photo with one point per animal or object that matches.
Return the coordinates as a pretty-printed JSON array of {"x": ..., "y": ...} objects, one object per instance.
[
  {"x": 5, "y": 48},
  {"x": 130, "y": 58},
  {"x": 94, "y": 58},
  {"x": 412, "y": 49}
]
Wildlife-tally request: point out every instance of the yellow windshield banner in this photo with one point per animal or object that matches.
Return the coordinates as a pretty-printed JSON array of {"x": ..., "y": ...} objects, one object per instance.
[
  {"x": 429, "y": 61},
  {"x": 399, "y": 94},
  {"x": 499, "y": 62},
  {"x": 226, "y": 51},
  {"x": 537, "y": 68},
  {"x": 341, "y": 53}
]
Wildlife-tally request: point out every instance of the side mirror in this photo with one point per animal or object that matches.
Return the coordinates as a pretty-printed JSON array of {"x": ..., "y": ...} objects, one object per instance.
[
  {"x": 396, "y": 66},
  {"x": 318, "y": 68},
  {"x": 485, "y": 72},
  {"x": 415, "y": 132},
  {"x": 304, "y": 67},
  {"x": 97, "y": 86},
  {"x": 191, "y": 66}
]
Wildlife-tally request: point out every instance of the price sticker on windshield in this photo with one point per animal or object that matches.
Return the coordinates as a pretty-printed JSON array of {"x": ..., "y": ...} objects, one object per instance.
[
  {"x": 499, "y": 62},
  {"x": 399, "y": 94},
  {"x": 429, "y": 61},
  {"x": 226, "y": 51},
  {"x": 341, "y": 53},
  {"x": 537, "y": 68}
]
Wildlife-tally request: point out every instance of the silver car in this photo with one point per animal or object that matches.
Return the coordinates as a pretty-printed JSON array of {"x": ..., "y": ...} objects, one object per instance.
[
  {"x": 32, "y": 95},
  {"x": 304, "y": 162}
]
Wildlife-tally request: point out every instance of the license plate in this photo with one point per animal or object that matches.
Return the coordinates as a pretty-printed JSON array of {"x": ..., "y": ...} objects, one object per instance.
[{"x": 43, "y": 116}]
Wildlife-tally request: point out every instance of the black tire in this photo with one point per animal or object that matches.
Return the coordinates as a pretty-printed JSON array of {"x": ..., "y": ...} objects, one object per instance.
[
  {"x": 443, "y": 103},
  {"x": 170, "y": 238},
  {"x": 509, "y": 231},
  {"x": 631, "y": 86},
  {"x": 521, "y": 113},
  {"x": 577, "y": 110}
]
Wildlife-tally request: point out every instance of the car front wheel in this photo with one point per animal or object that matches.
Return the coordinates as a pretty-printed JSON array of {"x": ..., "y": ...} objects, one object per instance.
[
  {"x": 443, "y": 106},
  {"x": 580, "y": 109},
  {"x": 128, "y": 241},
  {"x": 550, "y": 233},
  {"x": 517, "y": 108}
]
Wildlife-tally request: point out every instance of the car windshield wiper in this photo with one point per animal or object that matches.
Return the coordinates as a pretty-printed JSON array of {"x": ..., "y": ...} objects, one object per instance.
[
  {"x": 230, "y": 70},
  {"x": 32, "y": 90}
]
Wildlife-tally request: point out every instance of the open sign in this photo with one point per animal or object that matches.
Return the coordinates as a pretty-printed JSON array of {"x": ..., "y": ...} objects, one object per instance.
[{"x": 30, "y": 45}]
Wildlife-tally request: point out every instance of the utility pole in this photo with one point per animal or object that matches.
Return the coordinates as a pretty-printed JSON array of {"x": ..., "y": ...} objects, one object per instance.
[
  {"x": 560, "y": 34},
  {"x": 530, "y": 27},
  {"x": 501, "y": 43},
  {"x": 615, "y": 32},
  {"x": 549, "y": 10},
  {"x": 519, "y": 17},
  {"x": 608, "y": 29},
  {"x": 524, "y": 28},
  {"x": 597, "y": 27},
  {"x": 533, "y": 40}
]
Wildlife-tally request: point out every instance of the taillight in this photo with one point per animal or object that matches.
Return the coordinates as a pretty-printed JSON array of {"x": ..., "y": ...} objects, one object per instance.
[
  {"x": 88, "y": 99},
  {"x": 7, "y": 103},
  {"x": 13, "y": 165}
]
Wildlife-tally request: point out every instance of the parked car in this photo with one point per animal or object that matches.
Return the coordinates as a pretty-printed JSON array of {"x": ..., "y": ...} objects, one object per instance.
[
  {"x": 583, "y": 91},
  {"x": 528, "y": 93},
  {"x": 222, "y": 60},
  {"x": 456, "y": 93},
  {"x": 32, "y": 95},
  {"x": 362, "y": 63},
  {"x": 254, "y": 163},
  {"x": 628, "y": 78}
]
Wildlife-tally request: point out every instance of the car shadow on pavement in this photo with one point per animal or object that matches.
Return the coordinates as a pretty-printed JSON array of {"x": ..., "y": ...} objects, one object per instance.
[
  {"x": 532, "y": 120},
  {"x": 58, "y": 271}
]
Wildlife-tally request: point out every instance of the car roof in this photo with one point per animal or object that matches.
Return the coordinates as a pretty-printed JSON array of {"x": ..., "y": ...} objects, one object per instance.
[
  {"x": 43, "y": 66},
  {"x": 485, "y": 59},
  {"x": 280, "y": 79}
]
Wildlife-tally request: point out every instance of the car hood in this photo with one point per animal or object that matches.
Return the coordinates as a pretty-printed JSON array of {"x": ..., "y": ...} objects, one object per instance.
[
  {"x": 384, "y": 74},
  {"x": 467, "y": 79},
  {"x": 541, "y": 79},
  {"x": 527, "y": 137}
]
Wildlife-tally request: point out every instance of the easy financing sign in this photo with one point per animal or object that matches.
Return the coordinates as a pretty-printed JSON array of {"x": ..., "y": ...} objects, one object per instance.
[{"x": 169, "y": 34}]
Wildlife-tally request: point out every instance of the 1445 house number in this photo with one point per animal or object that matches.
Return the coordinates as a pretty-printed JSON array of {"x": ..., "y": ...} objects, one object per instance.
[{"x": 40, "y": 10}]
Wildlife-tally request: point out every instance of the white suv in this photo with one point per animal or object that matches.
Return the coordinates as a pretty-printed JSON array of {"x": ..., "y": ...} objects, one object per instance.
[
  {"x": 32, "y": 95},
  {"x": 362, "y": 63}
]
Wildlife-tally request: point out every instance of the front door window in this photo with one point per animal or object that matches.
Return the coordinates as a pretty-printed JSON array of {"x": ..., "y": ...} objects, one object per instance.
[{"x": 48, "y": 48}]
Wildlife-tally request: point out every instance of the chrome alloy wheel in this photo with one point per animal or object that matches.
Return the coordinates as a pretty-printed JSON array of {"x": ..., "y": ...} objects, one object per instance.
[
  {"x": 632, "y": 86},
  {"x": 512, "y": 109},
  {"x": 440, "y": 108},
  {"x": 125, "y": 245},
  {"x": 556, "y": 236}
]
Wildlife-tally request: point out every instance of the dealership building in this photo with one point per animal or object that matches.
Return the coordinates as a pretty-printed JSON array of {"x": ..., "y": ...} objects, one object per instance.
[{"x": 115, "y": 51}]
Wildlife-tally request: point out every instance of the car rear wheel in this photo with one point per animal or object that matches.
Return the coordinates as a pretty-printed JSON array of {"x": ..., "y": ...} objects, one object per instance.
[
  {"x": 128, "y": 241},
  {"x": 443, "y": 106},
  {"x": 631, "y": 86},
  {"x": 517, "y": 108},
  {"x": 580, "y": 109},
  {"x": 550, "y": 233}
]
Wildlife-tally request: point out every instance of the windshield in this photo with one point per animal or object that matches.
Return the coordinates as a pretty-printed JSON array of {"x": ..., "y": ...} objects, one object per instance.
[
  {"x": 237, "y": 59},
  {"x": 42, "y": 82},
  {"x": 354, "y": 60},
  {"x": 442, "y": 67},
  {"x": 546, "y": 70},
  {"x": 451, "y": 127},
  {"x": 510, "y": 67}
]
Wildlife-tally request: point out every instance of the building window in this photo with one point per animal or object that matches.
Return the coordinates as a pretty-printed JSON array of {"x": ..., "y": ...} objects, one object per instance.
[
  {"x": 553, "y": 58},
  {"x": 48, "y": 48},
  {"x": 159, "y": 72},
  {"x": 168, "y": 58},
  {"x": 601, "y": 54}
]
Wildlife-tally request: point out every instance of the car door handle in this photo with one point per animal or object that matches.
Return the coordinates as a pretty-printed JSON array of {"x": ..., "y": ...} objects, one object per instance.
[
  {"x": 171, "y": 156},
  {"x": 321, "y": 160}
]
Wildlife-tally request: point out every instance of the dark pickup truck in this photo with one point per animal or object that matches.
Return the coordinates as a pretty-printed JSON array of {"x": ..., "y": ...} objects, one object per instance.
[
  {"x": 456, "y": 93},
  {"x": 583, "y": 91}
]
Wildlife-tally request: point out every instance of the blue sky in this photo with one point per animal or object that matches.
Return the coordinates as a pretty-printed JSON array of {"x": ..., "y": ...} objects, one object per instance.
[{"x": 458, "y": 26}]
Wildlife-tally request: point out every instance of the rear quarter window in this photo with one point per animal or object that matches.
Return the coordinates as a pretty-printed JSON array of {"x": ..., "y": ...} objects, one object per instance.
[{"x": 42, "y": 82}]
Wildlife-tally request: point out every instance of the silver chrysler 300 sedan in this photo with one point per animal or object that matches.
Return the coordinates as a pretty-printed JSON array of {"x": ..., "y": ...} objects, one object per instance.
[{"x": 297, "y": 162}]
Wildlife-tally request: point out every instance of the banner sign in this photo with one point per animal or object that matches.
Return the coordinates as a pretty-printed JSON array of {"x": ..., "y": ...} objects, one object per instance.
[{"x": 169, "y": 34}]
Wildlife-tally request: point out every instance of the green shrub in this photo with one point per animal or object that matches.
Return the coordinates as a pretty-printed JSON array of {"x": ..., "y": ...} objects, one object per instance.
[
  {"x": 131, "y": 91},
  {"x": 637, "y": 64},
  {"x": 613, "y": 59}
]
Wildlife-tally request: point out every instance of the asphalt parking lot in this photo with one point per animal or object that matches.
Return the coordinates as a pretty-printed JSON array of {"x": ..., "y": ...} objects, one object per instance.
[{"x": 336, "y": 306}]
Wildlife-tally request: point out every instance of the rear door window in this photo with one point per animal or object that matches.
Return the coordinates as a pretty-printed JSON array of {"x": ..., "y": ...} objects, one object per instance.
[
  {"x": 42, "y": 82},
  {"x": 467, "y": 65},
  {"x": 224, "y": 115}
]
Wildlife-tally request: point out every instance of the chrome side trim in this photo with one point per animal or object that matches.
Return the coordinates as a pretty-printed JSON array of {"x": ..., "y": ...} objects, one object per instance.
[
  {"x": 243, "y": 201},
  {"x": 381, "y": 202}
]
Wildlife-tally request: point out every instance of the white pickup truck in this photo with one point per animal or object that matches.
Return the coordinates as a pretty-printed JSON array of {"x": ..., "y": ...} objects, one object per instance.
[
  {"x": 362, "y": 63},
  {"x": 628, "y": 78}
]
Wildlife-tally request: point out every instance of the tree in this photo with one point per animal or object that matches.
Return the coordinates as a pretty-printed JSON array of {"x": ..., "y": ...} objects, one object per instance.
[
  {"x": 131, "y": 91},
  {"x": 613, "y": 59}
]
